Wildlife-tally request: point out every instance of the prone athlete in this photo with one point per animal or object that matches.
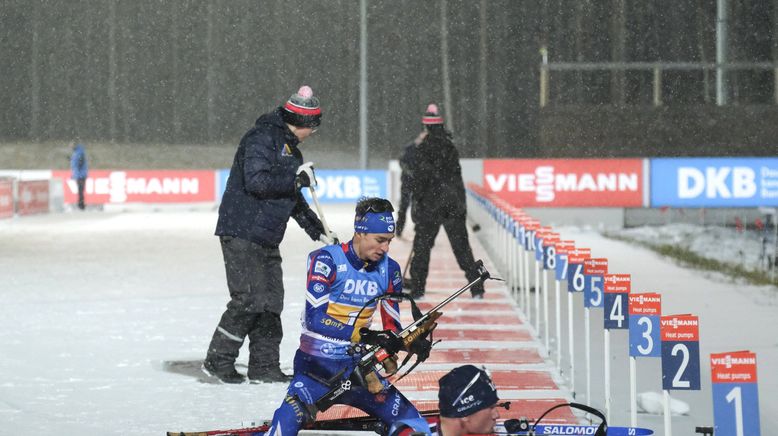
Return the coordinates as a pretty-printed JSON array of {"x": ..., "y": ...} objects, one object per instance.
[{"x": 343, "y": 285}]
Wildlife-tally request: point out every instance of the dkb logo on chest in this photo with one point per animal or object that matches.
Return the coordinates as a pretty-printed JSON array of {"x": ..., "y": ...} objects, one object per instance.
[{"x": 360, "y": 287}]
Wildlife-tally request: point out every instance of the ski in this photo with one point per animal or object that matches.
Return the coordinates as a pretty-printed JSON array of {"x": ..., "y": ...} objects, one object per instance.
[{"x": 371, "y": 424}]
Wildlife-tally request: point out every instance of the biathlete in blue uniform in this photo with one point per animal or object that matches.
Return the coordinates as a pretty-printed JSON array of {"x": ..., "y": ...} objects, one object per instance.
[{"x": 343, "y": 282}]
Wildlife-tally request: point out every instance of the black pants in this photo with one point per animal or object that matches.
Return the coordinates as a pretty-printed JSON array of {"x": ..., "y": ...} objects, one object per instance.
[
  {"x": 255, "y": 281},
  {"x": 80, "y": 184},
  {"x": 423, "y": 241}
]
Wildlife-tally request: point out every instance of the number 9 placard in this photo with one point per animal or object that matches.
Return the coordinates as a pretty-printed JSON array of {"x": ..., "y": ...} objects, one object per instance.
[
  {"x": 680, "y": 352},
  {"x": 735, "y": 394},
  {"x": 644, "y": 312}
]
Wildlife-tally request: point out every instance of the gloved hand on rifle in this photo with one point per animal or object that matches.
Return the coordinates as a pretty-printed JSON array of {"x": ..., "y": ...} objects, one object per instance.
[
  {"x": 385, "y": 339},
  {"x": 421, "y": 348}
]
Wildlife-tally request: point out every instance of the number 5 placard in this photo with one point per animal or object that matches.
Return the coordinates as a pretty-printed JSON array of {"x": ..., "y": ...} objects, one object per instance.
[{"x": 680, "y": 352}]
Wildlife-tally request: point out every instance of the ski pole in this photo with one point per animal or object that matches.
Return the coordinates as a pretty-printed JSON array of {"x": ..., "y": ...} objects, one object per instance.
[{"x": 320, "y": 212}]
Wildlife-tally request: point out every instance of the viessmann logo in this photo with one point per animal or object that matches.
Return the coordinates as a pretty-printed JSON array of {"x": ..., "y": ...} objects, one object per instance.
[
  {"x": 150, "y": 186},
  {"x": 546, "y": 182},
  {"x": 119, "y": 186}
]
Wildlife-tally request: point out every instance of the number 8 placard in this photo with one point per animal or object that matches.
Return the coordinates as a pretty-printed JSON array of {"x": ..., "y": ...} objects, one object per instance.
[{"x": 680, "y": 352}]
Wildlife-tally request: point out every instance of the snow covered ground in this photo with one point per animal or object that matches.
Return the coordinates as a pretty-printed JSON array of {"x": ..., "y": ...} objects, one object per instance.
[
  {"x": 94, "y": 302},
  {"x": 727, "y": 245}
]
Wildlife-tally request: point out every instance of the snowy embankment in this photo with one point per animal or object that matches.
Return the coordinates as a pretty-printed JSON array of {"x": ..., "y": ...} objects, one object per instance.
[{"x": 740, "y": 253}]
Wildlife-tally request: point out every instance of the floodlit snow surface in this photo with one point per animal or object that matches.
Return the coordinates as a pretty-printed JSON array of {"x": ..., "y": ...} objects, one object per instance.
[
  {"x": 93, "y": 303},
  {"x": 748, "y": 249}
]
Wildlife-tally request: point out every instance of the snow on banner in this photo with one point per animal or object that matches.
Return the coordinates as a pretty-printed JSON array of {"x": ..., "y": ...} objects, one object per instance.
[
  {"x": 148, "y": 186},
  {"x": 566, "y": 182}
]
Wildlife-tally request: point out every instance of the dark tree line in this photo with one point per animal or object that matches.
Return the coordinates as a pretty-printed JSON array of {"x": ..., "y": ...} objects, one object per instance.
[{"x": 196, "y": 71}]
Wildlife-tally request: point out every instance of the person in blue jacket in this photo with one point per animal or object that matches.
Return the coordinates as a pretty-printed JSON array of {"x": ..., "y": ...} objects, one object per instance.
[
  {"x": 340, "y": 301},
  {"x": 262, "y": 193},
  {"x": 79, "y": 170}
]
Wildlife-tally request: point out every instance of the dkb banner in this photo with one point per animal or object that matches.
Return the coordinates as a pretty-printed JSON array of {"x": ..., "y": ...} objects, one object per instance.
[{"x": 714, "y": 182}]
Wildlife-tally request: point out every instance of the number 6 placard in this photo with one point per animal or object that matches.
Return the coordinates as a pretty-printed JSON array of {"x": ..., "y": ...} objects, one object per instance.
[{"x": 680, "y": 352}]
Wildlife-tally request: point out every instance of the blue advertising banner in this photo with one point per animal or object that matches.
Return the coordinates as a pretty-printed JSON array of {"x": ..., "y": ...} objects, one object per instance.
[
  {"x": 335, "y": 186},
  {"x": 221, "y": 183},
  {"x": 341, "y": 186},
  {"x": 714, "y": 182}
]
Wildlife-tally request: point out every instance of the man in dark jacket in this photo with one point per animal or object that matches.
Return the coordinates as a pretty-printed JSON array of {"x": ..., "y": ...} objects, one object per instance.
[
  {"x": 438, "y": 194},
  {"x": 406, "y": 180},
  {"x": 262, "y": 193}
]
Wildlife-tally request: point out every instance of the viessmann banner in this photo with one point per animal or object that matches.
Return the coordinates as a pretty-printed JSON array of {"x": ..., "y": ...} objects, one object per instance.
[
  {"x": 152, "y": 186},
  {"x": 714, "y": 182},
  {"x": 566, "y": 182}
]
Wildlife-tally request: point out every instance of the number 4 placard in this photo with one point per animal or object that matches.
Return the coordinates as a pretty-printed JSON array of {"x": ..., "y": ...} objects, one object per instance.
[
  {"x": 617, "y": 288},
  {"x": 680, "y": 352},
  {"x": 735, "y": 395}
]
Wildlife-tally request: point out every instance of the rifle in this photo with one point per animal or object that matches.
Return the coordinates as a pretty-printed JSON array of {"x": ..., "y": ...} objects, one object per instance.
[{"x": 376, "y": 358}]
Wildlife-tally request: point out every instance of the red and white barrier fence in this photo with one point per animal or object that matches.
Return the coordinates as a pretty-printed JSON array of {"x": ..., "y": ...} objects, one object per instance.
[{"x": 514, "y": 238}]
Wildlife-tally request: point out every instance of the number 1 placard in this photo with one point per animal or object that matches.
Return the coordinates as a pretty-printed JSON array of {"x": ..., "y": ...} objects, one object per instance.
[{"x": 735, "y": 394}]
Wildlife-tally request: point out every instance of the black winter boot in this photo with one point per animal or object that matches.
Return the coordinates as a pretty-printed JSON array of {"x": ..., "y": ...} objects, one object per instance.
[
  {"x": 264, "y": 342},
  {"x": 225, "y": 373},
  {"x": 269, "y": 375}
]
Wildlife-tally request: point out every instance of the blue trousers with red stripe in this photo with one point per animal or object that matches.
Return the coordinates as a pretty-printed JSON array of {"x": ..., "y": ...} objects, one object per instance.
[{"x": 389, "y": 405}]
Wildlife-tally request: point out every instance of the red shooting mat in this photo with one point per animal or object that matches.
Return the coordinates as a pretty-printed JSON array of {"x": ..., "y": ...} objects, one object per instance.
[
  {"x": 448, "y": 334},
  {"x": 531, "y": 409},
  {"x": 461, "y": 318},
  {"x": 437, "y": 294},
  {"x": 503, "y": 379},
  {"x": 485, "y": 357},
  {"x": 465, "y": 304}
]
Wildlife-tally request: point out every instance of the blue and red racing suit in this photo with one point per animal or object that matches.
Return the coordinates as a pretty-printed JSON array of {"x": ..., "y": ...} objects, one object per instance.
[{"x": 339, "y": 285}]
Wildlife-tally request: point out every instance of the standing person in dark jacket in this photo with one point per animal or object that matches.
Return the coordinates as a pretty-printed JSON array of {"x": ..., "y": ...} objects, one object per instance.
[
  {"x": 438, "y": 194},
  {"x": 262, "y": 193},
  {"x": 79, "y": 170},
  {"x": 406, "y": 180}
]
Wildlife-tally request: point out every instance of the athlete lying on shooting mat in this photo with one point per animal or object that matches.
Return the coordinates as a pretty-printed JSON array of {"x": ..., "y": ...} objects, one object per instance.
[{"x": 344, "y": 288}]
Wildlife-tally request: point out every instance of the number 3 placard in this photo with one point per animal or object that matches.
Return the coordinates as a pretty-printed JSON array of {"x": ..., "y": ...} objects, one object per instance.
[
  {"x": 644, "y": 312},
  {"x": 680, "y": 352}
]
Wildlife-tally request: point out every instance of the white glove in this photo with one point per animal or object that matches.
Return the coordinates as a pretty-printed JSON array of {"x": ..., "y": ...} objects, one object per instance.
[
  {"x": 305, "y": 176},
  {"x": 331, "y": 240}
]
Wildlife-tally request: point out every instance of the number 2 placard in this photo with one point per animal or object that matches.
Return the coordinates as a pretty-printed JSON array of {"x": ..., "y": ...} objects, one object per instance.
[{"x": 680, "y": 352}]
